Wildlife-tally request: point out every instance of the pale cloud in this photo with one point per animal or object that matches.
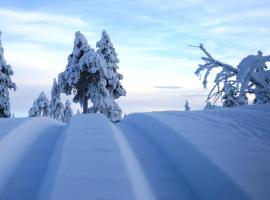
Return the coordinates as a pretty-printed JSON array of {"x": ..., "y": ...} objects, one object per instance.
[
  {"x": 39, "y": 27},
  {"x": 21, "y": 16}
]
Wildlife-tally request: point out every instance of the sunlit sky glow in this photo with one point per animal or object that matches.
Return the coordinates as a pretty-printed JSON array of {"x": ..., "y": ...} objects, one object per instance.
[{"x": 151, "y": 37}]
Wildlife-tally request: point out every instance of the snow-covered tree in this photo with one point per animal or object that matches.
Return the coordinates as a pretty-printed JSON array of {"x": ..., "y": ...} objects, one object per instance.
[
  {"x": 40, "y": 106},
  {"x": 56, "y": 106},
  {"x": 106, "y": 49},
  {"x": 187, "y": 108},
  {"x": 6, "y": 84},
  {"x": 250, "y": 76},
  {"x": 90, "y": 77},
  {"x": 83, "y": 72},
  {"x": 67, "y": 112},
  {"x": 230, "y": 96}
]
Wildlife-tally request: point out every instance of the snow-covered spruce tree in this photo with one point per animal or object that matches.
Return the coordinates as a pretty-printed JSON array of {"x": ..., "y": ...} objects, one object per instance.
[
  {"x": 106, "y": 49},
  {"x": 83, "y": 72},
  {"x": 56, "y": 106},
  {"x": 187, "y": 108},
  {"x": 67, "y": 112},
  {"x": 230, "y": 96},
  {"x": 87, "y": 77},
  {"x": 40, "y": 106},
  {"x": 250, "y": 76},
  {"x": 5, "y": 84}
]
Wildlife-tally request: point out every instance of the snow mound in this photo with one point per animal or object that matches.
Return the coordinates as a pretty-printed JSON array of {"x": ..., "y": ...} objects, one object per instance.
[{"x": 210, "y": 154}]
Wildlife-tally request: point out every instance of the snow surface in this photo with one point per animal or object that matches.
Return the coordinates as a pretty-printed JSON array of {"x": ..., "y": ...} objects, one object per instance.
[{"x": 210, "y": 154}]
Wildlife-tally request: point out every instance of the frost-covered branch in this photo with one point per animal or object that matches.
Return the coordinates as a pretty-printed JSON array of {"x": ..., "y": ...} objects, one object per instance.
[
  {"x": 227, "y": 71},
  {"x": 250, "y": 73}
]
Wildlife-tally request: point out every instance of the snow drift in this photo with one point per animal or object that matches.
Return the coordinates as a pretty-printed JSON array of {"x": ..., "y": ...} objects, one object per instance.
[{"x": 211, "y": 154}]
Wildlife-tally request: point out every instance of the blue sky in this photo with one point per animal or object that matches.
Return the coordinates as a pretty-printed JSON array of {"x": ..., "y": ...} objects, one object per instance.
[{"x": 152, "y": 39}]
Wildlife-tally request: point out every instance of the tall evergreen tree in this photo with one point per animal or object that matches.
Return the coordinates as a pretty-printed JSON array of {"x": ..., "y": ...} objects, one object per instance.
[
  {"x": 82, "y": 75},
  {"x": 106, "y": 49},
  {"x": 5, "y": 84},
  {"x": 92, "y": 76},
  {"x": 56, "y": 106}
]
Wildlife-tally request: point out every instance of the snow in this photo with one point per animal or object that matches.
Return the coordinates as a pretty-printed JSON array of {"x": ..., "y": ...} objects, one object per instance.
[
  {"x": 90, "y": 164},
  {"x": 212, "y": 154},
  {"x": 24, "y": 154}
]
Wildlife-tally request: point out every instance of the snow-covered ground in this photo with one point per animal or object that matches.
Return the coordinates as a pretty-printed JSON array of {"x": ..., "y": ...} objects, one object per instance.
[{"x": 213, "y": 154}]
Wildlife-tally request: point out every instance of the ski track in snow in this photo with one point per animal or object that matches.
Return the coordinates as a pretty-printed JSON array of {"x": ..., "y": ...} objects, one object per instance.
[
  {"x": 214, "y": 154},
  {"x": 7, "y": 125}
]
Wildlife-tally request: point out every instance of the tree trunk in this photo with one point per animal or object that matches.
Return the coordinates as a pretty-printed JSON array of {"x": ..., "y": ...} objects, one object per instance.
[{"x": 85, "y": 104}]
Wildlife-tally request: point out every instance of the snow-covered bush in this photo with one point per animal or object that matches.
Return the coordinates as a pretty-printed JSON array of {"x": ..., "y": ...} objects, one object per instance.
[
  {"x": 187, "y": 108},
  {"x": 56, "y": 106},
  {"x": 40, "y": 106},
  {"x": 67, "y": 112},
  {"x": 250, "y": 76},
  {"x": 92, "y": 75},
  {"x": 5, "y": 84},
  {"x": 230, "y": 96}
]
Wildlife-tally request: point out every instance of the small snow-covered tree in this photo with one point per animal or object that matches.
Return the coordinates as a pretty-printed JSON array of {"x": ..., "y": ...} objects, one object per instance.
[
  {"x": 230, "y": 96},
  {"x": 56, "y": 106},
  {"x": 250, "y": 76},
  {"x": 40, "y": 106},
  {"x": 187, "y": 108},
  {"x": 67, "y": 112},
  {"x": 6, "y": 84}
]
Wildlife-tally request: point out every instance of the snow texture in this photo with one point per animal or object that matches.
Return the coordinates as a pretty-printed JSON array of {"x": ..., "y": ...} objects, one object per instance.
[
  {"x": 40, "y": 106},
  {"x": 211, "y": 154},
  {"x": 5, "y": 84}
]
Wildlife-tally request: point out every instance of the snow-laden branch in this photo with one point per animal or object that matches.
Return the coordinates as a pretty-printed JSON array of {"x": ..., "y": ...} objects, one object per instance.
[
  {"x": 251, "y": 72},
  {"x": 210, "y": 63}
]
